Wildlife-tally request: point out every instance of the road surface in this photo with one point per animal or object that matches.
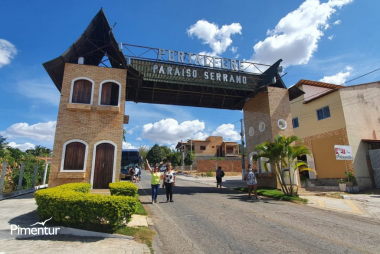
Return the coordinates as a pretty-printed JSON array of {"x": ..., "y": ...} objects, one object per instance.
[{"x": 203, "y": 219}]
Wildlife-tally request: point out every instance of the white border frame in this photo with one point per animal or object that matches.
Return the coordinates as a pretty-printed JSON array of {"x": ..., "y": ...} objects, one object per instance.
[
  {"x": 62, "y": 170},
  {"x": 278, "y": 124},
  {"x": 100, "y": 92},
  {"x": 253, "y": 131},
  {"x": 72, "y": 87},
  {"x": 93, "y": 160},
  {"x": 262, "y": 129}
]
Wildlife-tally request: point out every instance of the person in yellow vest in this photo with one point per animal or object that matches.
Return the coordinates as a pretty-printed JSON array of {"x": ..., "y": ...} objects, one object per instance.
[{"x": 155, "y": 182}]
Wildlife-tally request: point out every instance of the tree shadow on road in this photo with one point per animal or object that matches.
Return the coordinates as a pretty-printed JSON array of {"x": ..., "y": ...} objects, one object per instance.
[{"x": 194, "y": 190}]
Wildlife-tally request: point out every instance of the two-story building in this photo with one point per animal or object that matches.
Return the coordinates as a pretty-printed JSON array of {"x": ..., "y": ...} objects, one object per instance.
[
  {"x": 212, "y": 146},
  {"x": 328, "y": 115}
]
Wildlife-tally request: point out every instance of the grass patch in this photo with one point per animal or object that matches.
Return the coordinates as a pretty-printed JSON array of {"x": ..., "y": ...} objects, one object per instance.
[
  {"x": 140, "y": 209},
  {"x": 143, "y": 235},
  {"x": 274, "y": 193}
]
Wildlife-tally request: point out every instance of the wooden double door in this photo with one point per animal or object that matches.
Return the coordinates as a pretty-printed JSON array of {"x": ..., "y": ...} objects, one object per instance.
[{"x": 104, "y": 164}]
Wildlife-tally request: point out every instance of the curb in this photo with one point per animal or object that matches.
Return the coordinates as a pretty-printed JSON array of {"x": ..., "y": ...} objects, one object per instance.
[{"x": 77, "y": 232}]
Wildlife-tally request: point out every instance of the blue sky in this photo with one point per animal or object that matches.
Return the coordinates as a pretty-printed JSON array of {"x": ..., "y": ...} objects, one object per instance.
[{"x": 332, "y": 41}]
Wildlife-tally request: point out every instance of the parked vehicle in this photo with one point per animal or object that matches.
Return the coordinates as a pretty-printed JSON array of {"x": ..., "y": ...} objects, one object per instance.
[
  {"x": 129, "y": 158},
  {"x": 163, "y": 168}
]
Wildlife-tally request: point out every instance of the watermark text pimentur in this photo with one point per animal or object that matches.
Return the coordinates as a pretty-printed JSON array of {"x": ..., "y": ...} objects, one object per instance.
[{"x": 16, "y": 229}]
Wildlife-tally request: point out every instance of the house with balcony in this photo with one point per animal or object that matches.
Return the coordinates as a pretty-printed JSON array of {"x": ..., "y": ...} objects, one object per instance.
[
  {"x": 328, "y": 115},
  {"x": 212, "y": 146}
]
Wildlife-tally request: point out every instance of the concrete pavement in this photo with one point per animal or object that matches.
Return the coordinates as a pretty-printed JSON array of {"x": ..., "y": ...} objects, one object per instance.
[{"x": 356, "y": 204}]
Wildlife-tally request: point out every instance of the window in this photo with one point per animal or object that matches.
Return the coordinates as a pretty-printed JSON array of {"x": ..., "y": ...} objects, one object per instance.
[
  {"x": 323, "y": 113},
  {"x": 295, "y": 122},
  {"x": 203, "y": 148},
  {"x": 74, "y": 158},
  {"x": 110, "y": 94},
  {"x": 81, "y": 91}
]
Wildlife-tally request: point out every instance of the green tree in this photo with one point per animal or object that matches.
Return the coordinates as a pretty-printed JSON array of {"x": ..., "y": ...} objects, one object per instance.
[
  {"x": 155, "y": 155},
  {"x": 3, "y": 145},
  {"x": 282, "y": 154},
  {"x": 124, "y": 133},
  {"x": 189, "y": 158},
  {"x": 166, "y": 152},
  {"x": 175, "y": 158},
  {"x": 143, "y": 151},
  {"x": 39, "y": 151}
]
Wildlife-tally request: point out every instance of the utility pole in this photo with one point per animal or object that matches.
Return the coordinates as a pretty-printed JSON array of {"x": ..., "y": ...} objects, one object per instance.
[
  {"x": 191, "y": 153},
  {"x": 242, "y": 150},
  {"x": 182, "y": 149}
]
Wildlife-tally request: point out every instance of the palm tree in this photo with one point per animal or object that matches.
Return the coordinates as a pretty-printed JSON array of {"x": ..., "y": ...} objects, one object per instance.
[
  {"x": 282, "y": 153},
  {"x": 291, "y": 153},
  {"x": 272, "y": 150}
]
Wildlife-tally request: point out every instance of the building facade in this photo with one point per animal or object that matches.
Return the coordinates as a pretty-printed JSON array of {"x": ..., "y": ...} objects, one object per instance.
[
  {"x": 328, "y": 115},
  {"x": 212, "y": 146}
]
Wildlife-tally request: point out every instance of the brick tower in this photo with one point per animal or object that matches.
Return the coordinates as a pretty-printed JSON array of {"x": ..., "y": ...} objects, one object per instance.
[{"x": 89, "y": 130}]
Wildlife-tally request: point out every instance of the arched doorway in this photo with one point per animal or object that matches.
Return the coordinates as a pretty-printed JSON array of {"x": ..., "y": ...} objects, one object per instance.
[{"x": 104, "y": 165}]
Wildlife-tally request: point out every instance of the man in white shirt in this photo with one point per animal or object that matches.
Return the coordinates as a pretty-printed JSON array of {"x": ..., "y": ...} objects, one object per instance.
[{"x": 136, "y": 176}]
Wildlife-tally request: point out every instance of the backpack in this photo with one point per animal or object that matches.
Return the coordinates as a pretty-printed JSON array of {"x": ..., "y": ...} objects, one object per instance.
[{"x": 222, "y": 174}]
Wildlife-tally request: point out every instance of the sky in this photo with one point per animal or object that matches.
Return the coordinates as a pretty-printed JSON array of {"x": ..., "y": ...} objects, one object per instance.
[{"x": 333, "y": 41}]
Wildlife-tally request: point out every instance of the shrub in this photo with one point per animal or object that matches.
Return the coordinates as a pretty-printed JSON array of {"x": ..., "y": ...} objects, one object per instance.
[
  {"x": 71, "y": 205},
  {"x": 123, "y": 189},
  {"x": 77, "y": 187},
  {"x": 210, "y": 173}
]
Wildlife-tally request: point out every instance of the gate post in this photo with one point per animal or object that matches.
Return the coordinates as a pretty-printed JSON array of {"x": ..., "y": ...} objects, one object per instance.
[
  {"x": 267, "y": 115},
  {"x": 20, "y": 177},
  {"x": 34, "y": 174},
  {"x": 45, "y": 173}
]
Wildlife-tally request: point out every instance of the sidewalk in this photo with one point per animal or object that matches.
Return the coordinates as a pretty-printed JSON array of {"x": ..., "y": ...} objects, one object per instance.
[
  {"x": 22, "y": 211},
  {"x": 356, "y": 204}
]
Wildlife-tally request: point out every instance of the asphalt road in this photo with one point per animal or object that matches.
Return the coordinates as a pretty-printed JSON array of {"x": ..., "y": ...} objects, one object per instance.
[{"x": 203, "y": 219}]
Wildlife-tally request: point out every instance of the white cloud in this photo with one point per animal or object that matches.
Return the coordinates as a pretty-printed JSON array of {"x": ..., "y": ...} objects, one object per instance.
[
  {"x": 22, "y": 147},
  {"x": 128, "y": 146},
  {"x": 41, "y": 90},
  {"x": 295, "y": 37},
  {"x": 227, "y": 132},
  {"x": 130, "y": 131},
  {"x": 7, "y": 52},
  {"x": 338, "y": 78},
  {"x": 168, "y": 131},
  {"x": 234, "y": 49},
  {"x": 200, "y": 135},
  {"x": 38, "y": 131},
  {"x": 218, "y": 39},
  {"x": 330, "y": 37},
  {"x": 337, "y": 22},
  {"x": 139, "y": 139}
]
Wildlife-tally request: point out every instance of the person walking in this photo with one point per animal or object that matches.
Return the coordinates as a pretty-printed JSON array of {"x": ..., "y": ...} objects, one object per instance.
[
  {"x": 219, "y": 174},
  {"x": 155, "y": 182},
  {"x": 136, "y": 176},
  {"x": 168, "y": 182},
  {"x": 131, "y": 173},
  {"x": 250, "y": 177}
]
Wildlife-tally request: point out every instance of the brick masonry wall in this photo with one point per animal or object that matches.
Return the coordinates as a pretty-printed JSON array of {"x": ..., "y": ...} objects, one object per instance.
[
  {"x": 268, "y": 107},
  {"x": 227, "y": 165},
  {"x": 98, "y": 124}
]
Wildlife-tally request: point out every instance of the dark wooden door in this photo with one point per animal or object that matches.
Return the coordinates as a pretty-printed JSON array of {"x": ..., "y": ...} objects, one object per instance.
[{"x": 103, "y": 166}]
